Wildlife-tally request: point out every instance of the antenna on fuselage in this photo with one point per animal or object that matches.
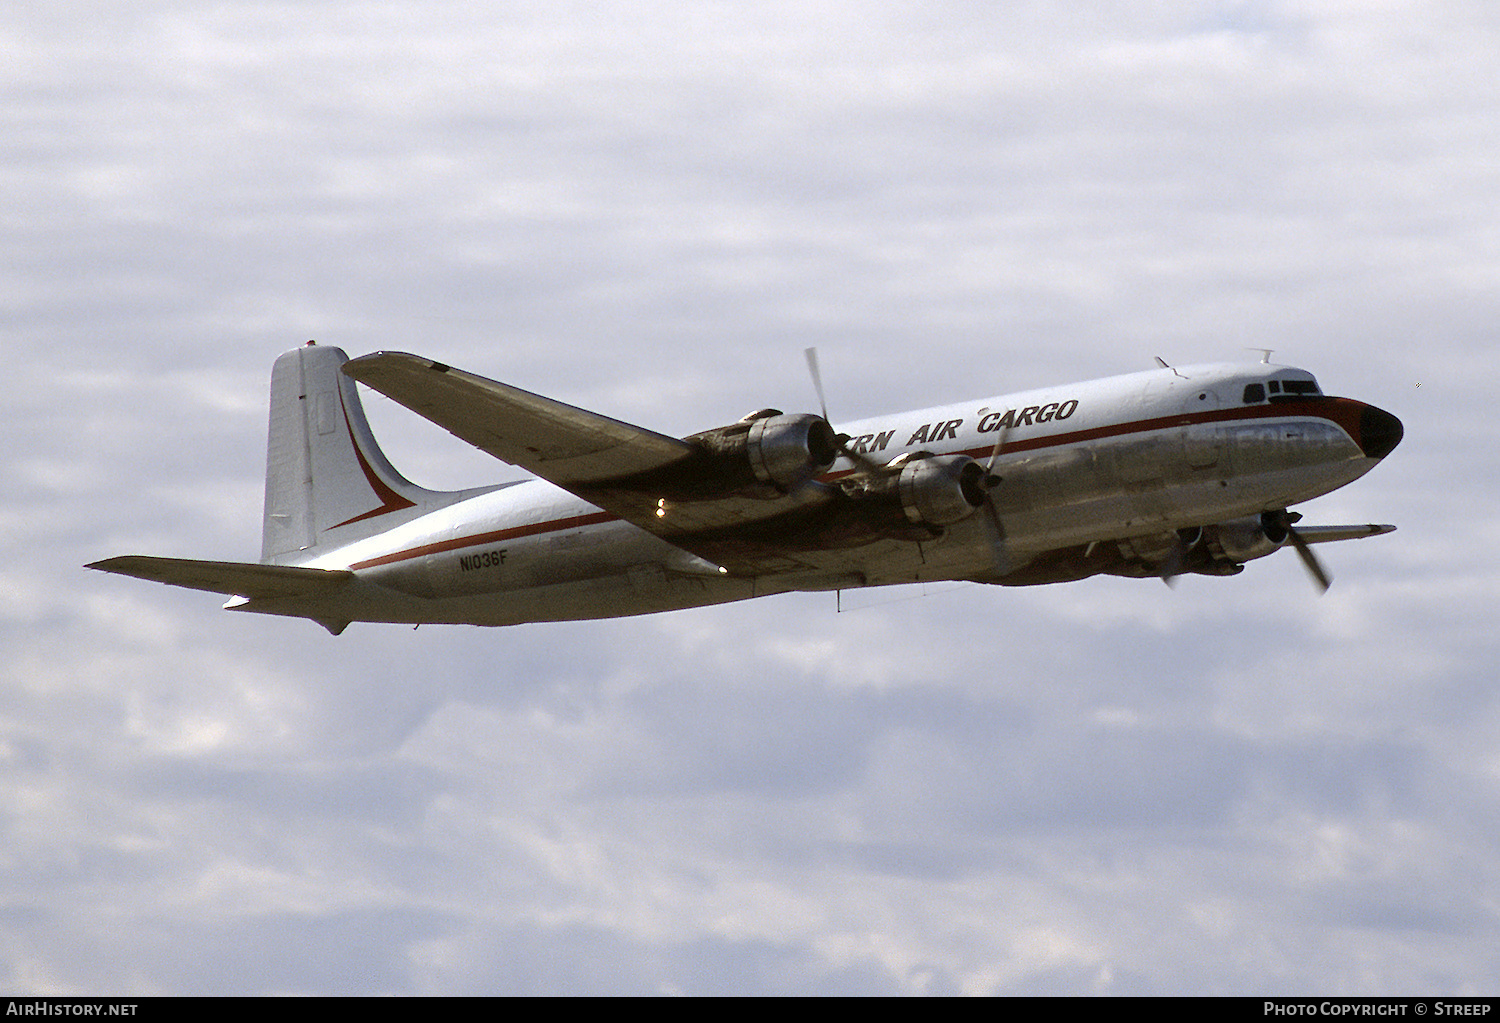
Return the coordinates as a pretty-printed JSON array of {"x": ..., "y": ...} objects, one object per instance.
[
  {"x": 1265, "y": 354},
  {"x": 1164, "y": 365}
]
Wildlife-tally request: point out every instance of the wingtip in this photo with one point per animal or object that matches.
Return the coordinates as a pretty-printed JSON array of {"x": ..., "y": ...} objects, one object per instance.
[
  {"x": 117, "y": 565},
  {"x": 376, "y": 358}
]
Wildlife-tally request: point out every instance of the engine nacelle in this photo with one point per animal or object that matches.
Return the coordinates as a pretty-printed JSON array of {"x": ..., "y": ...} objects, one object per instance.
[
  {"x": 1241, "y": 540},
  {"x": 763, "y": 455},
  {"x": 938, "y": 490},
  {"x": 786, "y": 450}
]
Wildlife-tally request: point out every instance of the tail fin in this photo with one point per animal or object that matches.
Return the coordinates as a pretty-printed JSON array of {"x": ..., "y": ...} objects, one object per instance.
[{"x": 327, "y": 482}]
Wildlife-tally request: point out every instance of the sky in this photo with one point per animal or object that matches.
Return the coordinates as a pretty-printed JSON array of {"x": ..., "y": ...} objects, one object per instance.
[{"x": 1234, "y": 786}]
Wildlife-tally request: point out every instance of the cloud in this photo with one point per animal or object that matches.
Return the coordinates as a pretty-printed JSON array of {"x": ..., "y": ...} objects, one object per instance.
[{"x": 1105, "y": 787}]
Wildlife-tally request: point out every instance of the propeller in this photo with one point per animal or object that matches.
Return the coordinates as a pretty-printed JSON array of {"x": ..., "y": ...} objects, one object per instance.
[
  {"x": 1285, "y": 520},
  {"x": 991, "y": 481},
  {"x": 867, "y": 466},
  {"x": 817, "y": 377},
  {"x": 1272, "y": 523},
  {"x": 1176, "y": 562}
]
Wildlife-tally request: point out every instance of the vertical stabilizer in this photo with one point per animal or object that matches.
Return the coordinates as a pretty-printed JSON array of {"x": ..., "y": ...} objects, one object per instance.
[{"x": 327, "y": 482}]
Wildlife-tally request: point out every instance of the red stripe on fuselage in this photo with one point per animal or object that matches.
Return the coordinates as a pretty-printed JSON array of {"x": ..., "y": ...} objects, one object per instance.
[
  {"x": 1342, "y": 412},
  {"x": 1345, "y": 414},
  {"x": 495, "y": 536}
]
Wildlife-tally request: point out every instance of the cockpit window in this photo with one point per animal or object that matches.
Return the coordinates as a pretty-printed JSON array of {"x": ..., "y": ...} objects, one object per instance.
[
  {"x": 1290, "y": 390},
  {"x": 1281, "y": 389}
]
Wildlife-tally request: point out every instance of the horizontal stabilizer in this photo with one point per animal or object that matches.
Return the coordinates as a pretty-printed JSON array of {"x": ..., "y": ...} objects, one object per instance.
[
  {"x": 234, "y": 578},
  {"x": 1328, "y": 534}
]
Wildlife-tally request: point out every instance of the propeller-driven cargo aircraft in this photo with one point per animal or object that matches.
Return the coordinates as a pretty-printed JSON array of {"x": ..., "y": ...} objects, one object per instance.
[{"x": 1153, "y": 475}]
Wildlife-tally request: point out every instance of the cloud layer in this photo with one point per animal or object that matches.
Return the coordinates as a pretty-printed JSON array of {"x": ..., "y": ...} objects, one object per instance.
[{"x": 1231, "y": 787}]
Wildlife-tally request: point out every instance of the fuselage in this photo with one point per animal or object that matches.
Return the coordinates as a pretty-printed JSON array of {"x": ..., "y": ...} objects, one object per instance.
[{"x": 1118, "y": 460}]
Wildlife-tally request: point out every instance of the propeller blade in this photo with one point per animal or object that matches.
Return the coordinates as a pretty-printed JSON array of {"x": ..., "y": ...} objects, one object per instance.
[
  {"x": 1172, "y": 567},
  {"x": 864, "y": 465},
  {"x": 1004, "y": 563},
  {"x": 1309, "y": 559},
  {"x": 817, "y": 377},
  {"x": 1000, "y": 436},
  {"x": 990, "y": 482},
  {"x": 1286, "y": 519},
  {"x": 1176, "y": 563}
]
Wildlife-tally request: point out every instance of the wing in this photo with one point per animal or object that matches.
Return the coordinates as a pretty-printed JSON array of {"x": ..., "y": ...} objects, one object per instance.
[
  {"x": 1330, "y": 534},
  {"x": 557, "y": 442},
  {"x": 687, "y": 491}
]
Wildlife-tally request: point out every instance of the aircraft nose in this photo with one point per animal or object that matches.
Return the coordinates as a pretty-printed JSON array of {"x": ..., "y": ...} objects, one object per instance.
[{"x": 1379, "y": 432}]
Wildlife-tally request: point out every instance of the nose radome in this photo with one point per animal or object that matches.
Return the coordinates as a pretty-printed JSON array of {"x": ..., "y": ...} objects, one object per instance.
[{"x": 1379, "y": 432}]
